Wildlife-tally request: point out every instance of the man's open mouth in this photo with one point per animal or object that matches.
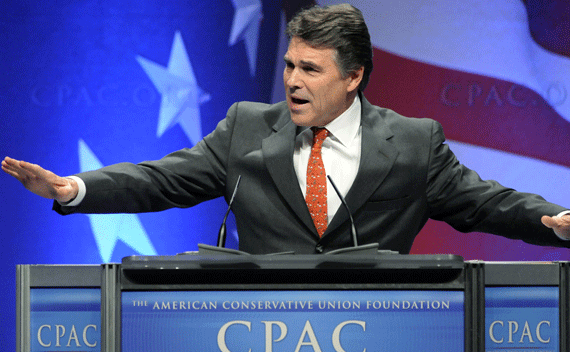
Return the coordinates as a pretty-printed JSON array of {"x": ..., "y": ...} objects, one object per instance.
[{"x": 298, "y": 101}]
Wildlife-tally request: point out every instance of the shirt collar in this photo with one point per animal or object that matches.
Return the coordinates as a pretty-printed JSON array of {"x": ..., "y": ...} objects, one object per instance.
[{"x": 346, "y": 126}]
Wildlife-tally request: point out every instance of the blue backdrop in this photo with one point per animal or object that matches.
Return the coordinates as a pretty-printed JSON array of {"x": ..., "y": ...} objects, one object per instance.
[{"x": 91, "y": 83}]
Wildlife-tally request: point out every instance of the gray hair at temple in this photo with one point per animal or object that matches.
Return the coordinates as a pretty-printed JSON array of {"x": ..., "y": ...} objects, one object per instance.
[{"x": 340, "y": 27}]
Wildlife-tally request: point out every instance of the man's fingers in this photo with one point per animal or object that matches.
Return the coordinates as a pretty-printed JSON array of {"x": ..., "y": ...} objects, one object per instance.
[
  {"x": 13, "y": 169},
  {"x": 8, "y": 164},
  {"x": 13, "y": 165},
  {"x": 10, "y": 172},
  {"x": 33, "y": 169},
  {"x": 27, "y": 171},
  {"x": 549, "y": 221},
  {"x": 10, "y": 160},
  {"x": 21, "y": 164}
]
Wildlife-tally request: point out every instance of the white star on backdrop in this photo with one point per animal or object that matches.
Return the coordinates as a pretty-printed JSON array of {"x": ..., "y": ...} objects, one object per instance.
[
  {"x": 180, "y": 104},
  {"x": 246, "y": 24},
  {"x": 181, "y": 96},
  {"x": 109, "y": 228}
]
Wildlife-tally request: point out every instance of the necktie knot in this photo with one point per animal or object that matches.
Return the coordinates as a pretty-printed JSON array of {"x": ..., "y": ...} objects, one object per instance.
[{"x": 319, "y": 136}]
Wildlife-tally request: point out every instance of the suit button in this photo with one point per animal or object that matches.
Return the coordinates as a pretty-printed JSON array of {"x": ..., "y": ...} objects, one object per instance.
[{"x": 319, "y": 248}]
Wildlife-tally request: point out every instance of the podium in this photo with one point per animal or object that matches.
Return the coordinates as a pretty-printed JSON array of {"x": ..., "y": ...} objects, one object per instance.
[{"x": 293, "y": 303}]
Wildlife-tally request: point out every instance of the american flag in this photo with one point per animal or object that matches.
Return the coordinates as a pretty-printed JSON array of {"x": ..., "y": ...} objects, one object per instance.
[{"x": 496, "y": 75}]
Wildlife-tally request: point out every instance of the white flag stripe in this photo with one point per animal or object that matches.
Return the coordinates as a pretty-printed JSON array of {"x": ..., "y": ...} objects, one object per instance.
[
  {"x": 490, "y": 38},
  {"x": 515, "y": 171}
]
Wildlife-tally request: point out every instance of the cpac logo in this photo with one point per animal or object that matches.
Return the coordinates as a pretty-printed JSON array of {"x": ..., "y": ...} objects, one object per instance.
[
  {"x": 496, "y": 332},
  {"x": 46, "y": 336},
  {"x": 307, "y": 332}
]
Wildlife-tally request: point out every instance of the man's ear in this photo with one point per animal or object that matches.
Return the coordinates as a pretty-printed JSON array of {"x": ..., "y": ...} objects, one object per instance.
[{"x": 355, "y": 79}]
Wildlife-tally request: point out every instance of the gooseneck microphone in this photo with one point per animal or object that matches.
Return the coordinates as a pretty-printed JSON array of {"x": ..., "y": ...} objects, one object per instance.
[
  {"x": 371, "y": 248},
  {"x": 352, "y": 227},
  {"x": 222, "y": 232}
]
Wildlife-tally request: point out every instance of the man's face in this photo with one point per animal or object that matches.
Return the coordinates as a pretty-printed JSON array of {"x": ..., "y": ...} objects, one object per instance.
[{"x": 315, "y": 89}]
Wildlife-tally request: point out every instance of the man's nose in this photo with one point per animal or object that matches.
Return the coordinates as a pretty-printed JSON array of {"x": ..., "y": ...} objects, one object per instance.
[{"x": 293, "y": 80}]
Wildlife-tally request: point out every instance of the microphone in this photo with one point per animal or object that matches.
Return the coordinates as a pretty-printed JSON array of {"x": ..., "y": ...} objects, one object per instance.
[
  {"x": 222, "y": 232},
  {"x": 371, "y": 248},
  {"x": 353, "y": 232},
  {"x": 206, "y": 249}
]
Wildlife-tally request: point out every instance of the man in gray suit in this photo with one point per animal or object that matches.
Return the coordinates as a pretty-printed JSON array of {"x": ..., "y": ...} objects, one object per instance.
[{"x": 395, "y": 172}]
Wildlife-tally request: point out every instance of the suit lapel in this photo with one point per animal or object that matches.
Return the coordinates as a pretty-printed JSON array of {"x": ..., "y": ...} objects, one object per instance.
[
  {"x": 376, "y": 160},
  {"x": 278, "y": 151}
]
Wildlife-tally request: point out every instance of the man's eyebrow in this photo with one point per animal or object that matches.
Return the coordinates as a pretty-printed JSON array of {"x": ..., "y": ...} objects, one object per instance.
[
  {"x": 303, "y": 63},
  {"x": 310, "y": 63}
]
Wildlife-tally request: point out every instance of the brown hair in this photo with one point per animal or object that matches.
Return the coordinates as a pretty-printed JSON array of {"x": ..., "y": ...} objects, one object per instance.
[{"x": 340, "y": 27}]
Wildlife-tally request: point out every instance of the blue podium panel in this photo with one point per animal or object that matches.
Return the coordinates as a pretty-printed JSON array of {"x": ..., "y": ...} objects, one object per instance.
[
  {"x": 61, "y": 307},
  {"x": 302, "y": 320},
  {"x": 522, "y": 319},
  {"x": 65, "y": 319}
]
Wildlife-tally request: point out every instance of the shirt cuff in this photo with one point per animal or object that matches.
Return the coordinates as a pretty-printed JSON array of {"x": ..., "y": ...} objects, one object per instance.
[
  {"x": 80, "y": 193},
  {"x": 563, "y": 213}
]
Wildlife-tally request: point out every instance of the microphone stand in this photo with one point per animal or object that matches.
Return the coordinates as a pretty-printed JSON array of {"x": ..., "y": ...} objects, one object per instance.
[{"x": 371, "y": 248}]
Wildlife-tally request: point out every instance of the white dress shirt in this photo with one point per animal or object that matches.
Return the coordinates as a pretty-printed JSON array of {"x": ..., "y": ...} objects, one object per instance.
[{"x": 340, "y": 154}]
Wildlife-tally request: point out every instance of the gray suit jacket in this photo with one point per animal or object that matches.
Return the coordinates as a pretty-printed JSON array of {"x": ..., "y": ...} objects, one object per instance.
[{"x": 406, "y": 175}]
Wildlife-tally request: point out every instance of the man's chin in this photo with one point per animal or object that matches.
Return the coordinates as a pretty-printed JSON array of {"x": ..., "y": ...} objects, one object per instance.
[{"x": 300, "y": 119}]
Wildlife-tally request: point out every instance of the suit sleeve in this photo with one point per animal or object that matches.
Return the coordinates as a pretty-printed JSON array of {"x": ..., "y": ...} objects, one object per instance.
[
  {"x": 458, "y": 196},
  {"x": 181, "y": 179}
]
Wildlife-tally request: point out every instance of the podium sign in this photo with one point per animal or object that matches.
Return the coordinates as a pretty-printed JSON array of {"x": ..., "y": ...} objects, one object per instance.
[
  {"x": 522, "y": 318},
  {"x": 311, "y": 320},
  {"x": 65, "y": 319},
  {"x": 65, "y": 308}
]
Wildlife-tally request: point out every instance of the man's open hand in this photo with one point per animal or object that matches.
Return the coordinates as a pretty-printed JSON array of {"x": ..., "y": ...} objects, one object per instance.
[
  {"x": 560, "y": 225},
  {"x": 40, "y": 181}
]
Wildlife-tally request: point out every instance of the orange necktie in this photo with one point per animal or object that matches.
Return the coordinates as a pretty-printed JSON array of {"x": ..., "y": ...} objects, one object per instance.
[{"x": 316, "y": 197}]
